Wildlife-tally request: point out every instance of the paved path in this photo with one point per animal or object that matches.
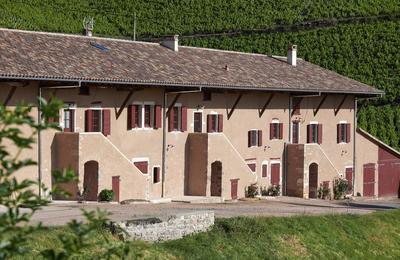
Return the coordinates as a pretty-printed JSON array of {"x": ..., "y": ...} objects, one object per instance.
[{"x": 61, "y": 213}]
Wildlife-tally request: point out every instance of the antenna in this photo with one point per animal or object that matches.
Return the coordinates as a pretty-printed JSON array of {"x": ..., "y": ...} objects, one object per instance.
[{"x": 88, "y": 23}]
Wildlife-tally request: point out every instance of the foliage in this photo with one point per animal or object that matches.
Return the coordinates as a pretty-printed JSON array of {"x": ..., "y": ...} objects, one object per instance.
[
  {"x": 18, "y": 130},
  {"x": 324, "y": 192},
  {"x": 274, "y": 190},
  {"x": 159, "y": 17},
  {"x": 323, "y": 237},
  {"x": 252, "y": 191},
  {"x": 106, "y": 195},
  {"x": 340, "y": 188}
]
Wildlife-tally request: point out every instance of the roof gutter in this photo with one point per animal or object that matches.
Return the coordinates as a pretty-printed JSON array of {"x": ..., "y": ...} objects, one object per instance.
[{"x": 192, "y": 85}]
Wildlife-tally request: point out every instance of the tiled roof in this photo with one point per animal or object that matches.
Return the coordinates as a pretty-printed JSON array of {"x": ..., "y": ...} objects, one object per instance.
[{"x": 37, "y": 55}]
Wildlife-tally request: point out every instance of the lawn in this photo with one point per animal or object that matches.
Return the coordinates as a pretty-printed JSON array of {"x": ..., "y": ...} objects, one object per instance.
[{"x": 375, "y": 235}]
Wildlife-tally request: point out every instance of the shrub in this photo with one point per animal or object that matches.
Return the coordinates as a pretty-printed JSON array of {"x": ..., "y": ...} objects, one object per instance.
[
  {"x": 275, "y": 190},
  {"x": 324, "y": 192},
  {"x": 264, "y": 191},
  {"x": 252, "y": 191},
  {"x": 340, "y": 187},
  {"x": 106, "y": 195}
]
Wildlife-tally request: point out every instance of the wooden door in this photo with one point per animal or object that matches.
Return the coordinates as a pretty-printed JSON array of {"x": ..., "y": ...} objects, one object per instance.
[
  {"x": 349, "y": 178},
  {"x": 369, "y": 179},
  {"x": 275, "y": 173},
  {"x": 216, "y": 178},
  {"x": 313, "y": 181},
  {"x": 234, "y": 188},
  {"x": 115, "y": 187},
  {"x": 197, "y": 122},
  {"x": 91, "y": 180}
]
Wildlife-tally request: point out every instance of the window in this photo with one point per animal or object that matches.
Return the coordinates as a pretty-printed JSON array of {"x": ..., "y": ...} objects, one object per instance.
[
  {"x": 142, "y": 164},
  {"x": 98, "y": 120},
  {"x": 343, "y": 132},
  {"x": 197, "y": 122},
  {"x": 254, "y": 138},
  {"x": 314, "y": 133},
  {"x": 215, "y": 123},
  {"x": 295, "y": 132},
  {"x": 177, "y": 119},
  {"x": 251, "y": 163},
  {"x": 206, "y": 96},
  {"x": 69, "y": 118},
  {"x": 264, "y": 170},
  {"x": 144, "y": 115},
  {"x": 156, "y": 174},
  {"x": 276, "y": 130}
]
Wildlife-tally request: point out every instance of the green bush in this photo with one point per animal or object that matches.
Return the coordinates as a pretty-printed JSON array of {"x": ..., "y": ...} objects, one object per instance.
[
  {"x": 106, "y": 195},
  {"x": 252, "y": 191},
  {"x": 340, "y": 187}
]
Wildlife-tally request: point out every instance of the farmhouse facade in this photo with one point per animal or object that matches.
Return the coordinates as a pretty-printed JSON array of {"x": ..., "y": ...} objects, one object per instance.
[{"x": 151, "y": 120}]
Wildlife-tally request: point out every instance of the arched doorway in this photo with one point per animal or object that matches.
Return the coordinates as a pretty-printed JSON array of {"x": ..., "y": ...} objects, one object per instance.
[
  {"x": 313, "y": 180},
  {"x": 91, "y": 180},
  {"x": 216, "y": 178}
]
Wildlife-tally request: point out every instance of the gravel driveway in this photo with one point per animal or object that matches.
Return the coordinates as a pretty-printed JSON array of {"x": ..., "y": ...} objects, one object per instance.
[{"x": 61, "y": 213}]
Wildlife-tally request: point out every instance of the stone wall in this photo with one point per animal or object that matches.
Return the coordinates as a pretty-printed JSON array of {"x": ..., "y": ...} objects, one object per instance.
[{"x": 169, "y": 228}]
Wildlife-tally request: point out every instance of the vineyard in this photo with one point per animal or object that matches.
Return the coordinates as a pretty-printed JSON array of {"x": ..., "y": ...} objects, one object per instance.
[{"x": 366, "y": 51}]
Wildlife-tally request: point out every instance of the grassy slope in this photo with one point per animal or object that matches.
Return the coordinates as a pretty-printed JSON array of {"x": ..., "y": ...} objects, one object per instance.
[{"x": 335, "y": 236}]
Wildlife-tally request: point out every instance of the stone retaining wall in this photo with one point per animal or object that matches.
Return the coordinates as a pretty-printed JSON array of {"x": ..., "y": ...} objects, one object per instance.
[{"x": 172, "y": 227}]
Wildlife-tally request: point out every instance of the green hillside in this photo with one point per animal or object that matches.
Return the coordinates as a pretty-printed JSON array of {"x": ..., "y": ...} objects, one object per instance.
[{"x": 367, "y": 51}]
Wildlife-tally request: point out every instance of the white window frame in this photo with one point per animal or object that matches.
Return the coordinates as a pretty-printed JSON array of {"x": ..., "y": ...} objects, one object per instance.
[
  {"x": 276, "y": 121},
  {"x": 142, "y": 113},
  {"x": 256, "y": 143},
  {"x": 251, "y": 162},
  {"x": 179, "y": 130},
  {"x": 152, "y": 174},
  {"x": 298, "y": 134},
  {"x": 142, "y": 159},
  {"x": 315, "y": 123},
  {"x": 345, "y": 130},
  {"x": 97, "y": 106},
  {"x": 265, "y": 162},
  {"x": 68, "y": 106},
  {"x": 213, "y": 113},
  {"x": 202, "y": 119}
]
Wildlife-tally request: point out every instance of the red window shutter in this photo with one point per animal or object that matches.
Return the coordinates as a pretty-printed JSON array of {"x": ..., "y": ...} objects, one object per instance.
[
  {"x": 280, "y": 130},
  {"x": 309, "y": 134},
  {"x": 89, "y": 120},
  {"x": 131, "y": 116},
  {"x": 220, "y": 123},
  {"x": 249, "y": 141},
  {"x": 106, "y": 122},
  {"x": 157, "y": 116},
  {"x": 184, "y": 119},
  {"x": 171, "y": 120},
  {"x": 259, "y": 138},
  {"x": 348, "y": 134},
  {"x": 319, "y": 133},
  {"x": 339, "y": 133},
  {"x": 271, "y": 131},
  {"x": 209, "y": 123}
]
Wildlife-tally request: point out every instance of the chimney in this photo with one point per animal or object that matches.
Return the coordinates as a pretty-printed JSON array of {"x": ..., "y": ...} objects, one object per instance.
[
  {"x": 88, "y": 23},
  {"x": 171, "y": 42},
  {"x": 292, "y": 55}
]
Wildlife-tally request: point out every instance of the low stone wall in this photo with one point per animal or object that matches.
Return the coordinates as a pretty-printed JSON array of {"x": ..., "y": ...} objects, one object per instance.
[{"x": 172, "y": 227}]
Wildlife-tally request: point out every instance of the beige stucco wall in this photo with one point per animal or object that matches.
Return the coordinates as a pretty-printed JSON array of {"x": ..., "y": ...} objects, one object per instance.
[
  {"x": 148, "y": 143},
  {"x": 367, "y": 152}
]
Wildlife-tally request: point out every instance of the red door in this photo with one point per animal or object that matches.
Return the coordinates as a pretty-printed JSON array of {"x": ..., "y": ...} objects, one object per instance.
[
  {"x": 349, "y": 178},
  {"x": 234, "y": 188},
  {"x": 275, "y": 174},
  {"x": 115, "y": 187},
  {"x": 369, "y": 179}
]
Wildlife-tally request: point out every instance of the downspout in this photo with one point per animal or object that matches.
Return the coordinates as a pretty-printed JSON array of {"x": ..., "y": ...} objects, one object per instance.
[
  {"x": 40, "y": 142},
  {"x": 164, "y": 144},
  {"x": 354, "y": 145},
  {"x": 164, "y": 141}
]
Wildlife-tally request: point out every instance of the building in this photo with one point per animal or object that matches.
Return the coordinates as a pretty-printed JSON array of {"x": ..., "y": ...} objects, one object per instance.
[{"x": 153, "y": 120}]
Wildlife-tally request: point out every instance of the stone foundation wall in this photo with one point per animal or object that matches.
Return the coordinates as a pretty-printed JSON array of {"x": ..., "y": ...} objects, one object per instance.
[{"x": 172, "y": 227}]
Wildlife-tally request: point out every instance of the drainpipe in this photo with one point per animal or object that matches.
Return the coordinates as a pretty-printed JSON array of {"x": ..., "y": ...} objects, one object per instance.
[
  {"x": 39, "y": 143},
  {"x": 354, "y": 144},
  {"x": 164, "y": 141}
]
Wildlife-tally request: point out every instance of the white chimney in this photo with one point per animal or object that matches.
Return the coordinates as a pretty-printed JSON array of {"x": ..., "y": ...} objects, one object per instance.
[
  {"x": 292, "y": 55},
  {"x": 171, "y": 42}
]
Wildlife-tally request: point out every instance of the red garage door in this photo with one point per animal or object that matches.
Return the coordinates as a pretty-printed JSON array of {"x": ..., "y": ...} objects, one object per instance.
[
  {"x": 369, "y": 179},
  {"x": 388, "y": 174}
]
